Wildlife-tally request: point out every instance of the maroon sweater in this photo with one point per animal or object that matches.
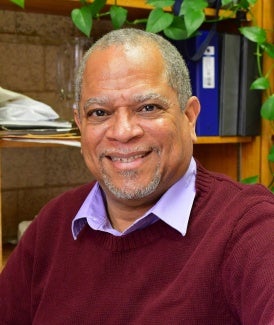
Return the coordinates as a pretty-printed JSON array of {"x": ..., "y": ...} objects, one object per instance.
[{"x": 221, "y": 272}]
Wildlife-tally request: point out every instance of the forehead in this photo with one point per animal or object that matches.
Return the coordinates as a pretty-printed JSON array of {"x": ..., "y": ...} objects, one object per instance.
[
  {"x": 127, "y": 69},
  {"x": 124, "y": 59}
]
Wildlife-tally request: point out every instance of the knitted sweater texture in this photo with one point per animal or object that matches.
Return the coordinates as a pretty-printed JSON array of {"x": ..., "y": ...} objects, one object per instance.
[{"x": 221, "y": 272}]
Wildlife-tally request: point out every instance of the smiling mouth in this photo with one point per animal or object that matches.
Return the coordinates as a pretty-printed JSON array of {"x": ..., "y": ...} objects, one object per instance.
[{"x": 127, "y": 158}]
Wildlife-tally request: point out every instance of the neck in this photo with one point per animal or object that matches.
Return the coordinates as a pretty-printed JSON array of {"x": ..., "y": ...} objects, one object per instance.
[{"x": 123, "y": 214}]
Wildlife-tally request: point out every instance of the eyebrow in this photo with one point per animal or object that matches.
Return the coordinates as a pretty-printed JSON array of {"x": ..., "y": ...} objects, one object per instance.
[
  {"x": 151, "y": 96},
  {"x": 141, "y": 98},
  {"x": 96, "y": 100}
]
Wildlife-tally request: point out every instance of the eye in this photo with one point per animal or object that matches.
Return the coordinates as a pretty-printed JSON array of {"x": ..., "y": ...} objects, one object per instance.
[
  {"x": 149, "y": 108},
  {"x": 97, "y": 113}
]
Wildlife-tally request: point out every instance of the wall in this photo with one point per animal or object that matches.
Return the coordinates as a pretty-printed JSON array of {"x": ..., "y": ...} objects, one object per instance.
[{"x": 29, "y": 47}]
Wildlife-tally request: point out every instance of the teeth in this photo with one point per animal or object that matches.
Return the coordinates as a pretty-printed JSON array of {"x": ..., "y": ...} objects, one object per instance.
[{"x": 127, "y": 159}]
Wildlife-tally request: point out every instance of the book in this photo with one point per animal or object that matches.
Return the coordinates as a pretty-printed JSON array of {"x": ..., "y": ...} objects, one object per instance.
[
  {"x": 204, "y": 74},
  {"x": 229, "y": 84},
  {"x": 249, "y": 119}
]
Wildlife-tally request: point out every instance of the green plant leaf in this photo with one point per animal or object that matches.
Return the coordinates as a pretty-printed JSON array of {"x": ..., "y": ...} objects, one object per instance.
[
  {"x": 190, "y": 5},
  {"x": 97, "y": 6},
  {"x": 193, "y": 13},
  {"x": 254, "y": 33},
  {"x": 243, "y": 4},
  {"x": 250, "y": 180},
  {"x": 231, "y": 4},
  {"x": 260, "y": 83},
  {"x": 161, "y": 3},
  {"x": 118, "y": 16},
  {"x": 20, "y": 3},
  {"x": 193, "y": 20},
  {"x": 177, "y": 30},
  {"x": 82, "y": 19},
  {"x": 271, "y": 154},
  {"x": 158, "y": 20},
  {"x": 269, "y": 49},
  {"x": 252, "y": 2},
  {"x": 226, "y": 2},
  {"x": 267, "y": 110}
]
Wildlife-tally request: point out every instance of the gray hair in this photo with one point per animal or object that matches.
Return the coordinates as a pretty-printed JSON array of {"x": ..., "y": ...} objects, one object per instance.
[{"x": 176, "y": 70}]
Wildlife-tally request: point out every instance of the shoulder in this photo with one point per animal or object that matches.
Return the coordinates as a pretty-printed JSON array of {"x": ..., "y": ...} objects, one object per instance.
[
  {"x": 69, "y": 200},
  {"x": 57, "y": 215},
  {"x": 219, "y": 186},
  {"x": 53, "y": 222},
  {"x": 232, "y": 208}
]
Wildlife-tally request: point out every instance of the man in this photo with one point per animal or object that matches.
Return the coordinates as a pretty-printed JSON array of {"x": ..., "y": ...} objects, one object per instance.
[{"x": 157, "y": 239}]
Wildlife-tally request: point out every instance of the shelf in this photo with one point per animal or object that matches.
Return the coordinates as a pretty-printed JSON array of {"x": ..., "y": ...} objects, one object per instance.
[
  {"x": 64, "y": 7},
  {"x": 138, "y": 8},
  {"x": 60, "y": 7},
  {"x": 39, "y": 142},
  {"x": 223, "y": 140},
  {"x": 21, "y": 144},
  {"x": 201, "y": 140}
]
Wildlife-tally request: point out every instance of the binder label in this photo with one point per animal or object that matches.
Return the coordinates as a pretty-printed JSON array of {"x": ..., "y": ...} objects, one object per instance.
[{"x": 208, "y": 68}]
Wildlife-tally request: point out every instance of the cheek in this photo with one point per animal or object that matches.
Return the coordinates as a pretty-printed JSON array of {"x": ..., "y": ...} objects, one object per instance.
[
  {"x": 171, "y": 134},
  {"x": 177, "y": 142},
  {"x": 91, "y": 135},
  {"x": 90, "y": 143},
  {"x": 88, "y": 154}
]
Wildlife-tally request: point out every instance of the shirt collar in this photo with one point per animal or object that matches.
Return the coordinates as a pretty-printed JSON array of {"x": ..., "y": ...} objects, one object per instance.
[
  {"x": 175, "y": 205},
  {"x": 173, "y": 208}
]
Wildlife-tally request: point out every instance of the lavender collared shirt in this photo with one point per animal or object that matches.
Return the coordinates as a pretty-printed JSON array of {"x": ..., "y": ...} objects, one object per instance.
[{"x": 173, "y": 208}]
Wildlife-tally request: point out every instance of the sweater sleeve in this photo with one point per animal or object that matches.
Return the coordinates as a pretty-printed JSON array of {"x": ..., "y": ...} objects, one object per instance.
[
  {"x": 15, "y": 281},
  {"x": 248, "y": 271}
]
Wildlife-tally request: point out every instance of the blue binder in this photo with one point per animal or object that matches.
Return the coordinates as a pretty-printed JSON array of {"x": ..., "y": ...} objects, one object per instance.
[{"x": 204, "y": 75}]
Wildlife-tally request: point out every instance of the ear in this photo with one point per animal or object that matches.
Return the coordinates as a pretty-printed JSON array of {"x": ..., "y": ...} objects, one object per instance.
[
  {"x": 76, "y": 114},
  {"x": 192, "y": 111}
]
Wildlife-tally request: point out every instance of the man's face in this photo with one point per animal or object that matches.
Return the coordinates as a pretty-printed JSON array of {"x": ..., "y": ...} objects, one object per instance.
[{"x": 136, "y": 140}]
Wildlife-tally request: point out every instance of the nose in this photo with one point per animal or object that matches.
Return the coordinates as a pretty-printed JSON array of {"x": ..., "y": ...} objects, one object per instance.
[{"x": 124, "y": 127}]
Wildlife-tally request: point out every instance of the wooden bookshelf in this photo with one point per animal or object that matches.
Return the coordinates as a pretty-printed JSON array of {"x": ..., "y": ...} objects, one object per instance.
[{"x": 223, "y": 140}]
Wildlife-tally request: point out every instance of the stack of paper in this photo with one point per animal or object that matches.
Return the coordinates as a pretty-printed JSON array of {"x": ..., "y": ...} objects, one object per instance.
[
  {"x": 18, "y": 111},
  {"x": 28, "y": 120}
]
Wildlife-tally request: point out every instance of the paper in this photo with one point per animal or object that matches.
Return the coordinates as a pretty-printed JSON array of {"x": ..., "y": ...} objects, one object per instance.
[
  {"x": 18, "y": 107},
  {"x": 35, "y": 124},
  {"x": 73, "y": 143}
]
